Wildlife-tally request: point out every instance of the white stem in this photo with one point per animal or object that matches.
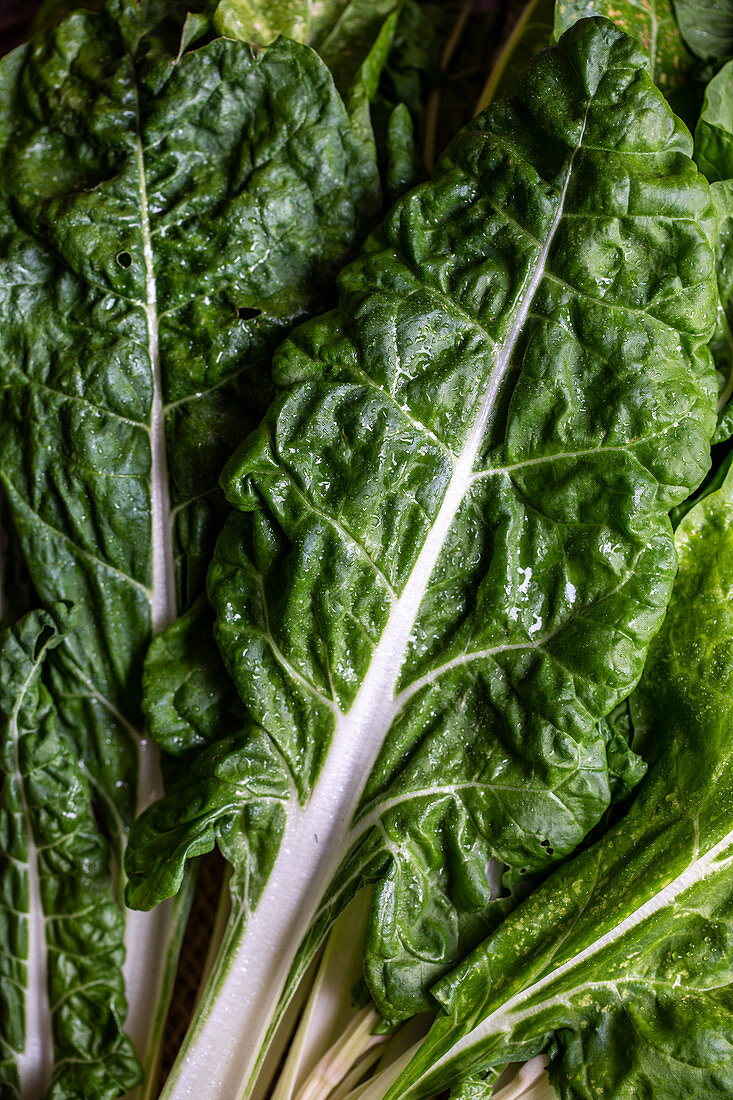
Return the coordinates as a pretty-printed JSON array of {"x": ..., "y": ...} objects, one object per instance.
[
  {"x": 531, "y": 1079},
  {"x": 328, "y": 1011},
  {"x": 355, "y": 1075},
  {"x": 222, "y": 1053},
  {"x": 147, "y": 941},
  {"x": 163, "y": 597},
  {"x": 378, "y": 1086},
  {"x": 283, "y": 1036},
  {"x": 35, "y": 1062},
  {"x": 149, "y": 936}
]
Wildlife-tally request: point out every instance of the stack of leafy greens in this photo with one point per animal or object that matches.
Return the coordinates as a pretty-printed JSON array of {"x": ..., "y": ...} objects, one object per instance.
[{"x": 406, "y": 710}]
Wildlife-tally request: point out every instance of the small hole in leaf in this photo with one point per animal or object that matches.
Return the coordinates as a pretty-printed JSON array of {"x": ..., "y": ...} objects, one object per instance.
[
  {"x": 42, "y": 641},
  {"x": 547, "y": 846},
  {"x": 248, "y": 313},
  {"x": 124, "y": 259}
]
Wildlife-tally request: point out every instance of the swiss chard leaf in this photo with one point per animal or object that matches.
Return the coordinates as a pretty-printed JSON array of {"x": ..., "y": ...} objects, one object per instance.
[
  {"x": 452, "y": 545},
  {"x": 653, "y": 23},
  {"x": 343, "y": 33},
  {"x": 62, "y": 1002},
  {"x": 164, "y": 220},
  {"x": 622, "y": 957},
  {"x": 714, "y": 130},
  {"x": 706, "y": 26},
  {"x": 714, "y": 155}
]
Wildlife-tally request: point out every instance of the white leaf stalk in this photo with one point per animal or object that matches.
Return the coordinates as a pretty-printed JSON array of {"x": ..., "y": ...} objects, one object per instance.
[
  {"x": 153, "y": 939},
  {"x": 337, "y": 1063},
  {"x": 329, "y": 1011},
  {"x": 224, "y": 1049},
  {"x": 530, "y": 1082},
  {"x": 36, "y": 1060}
]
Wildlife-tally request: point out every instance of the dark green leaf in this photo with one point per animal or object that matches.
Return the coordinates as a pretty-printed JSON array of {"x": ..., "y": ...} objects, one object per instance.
[
  {"x": 164, "y": 220},
  {"x": 343, "y": 32},
  {"x": 713, "y": 134},
  {"x": 62, "y": 1003},
  {"x": 706, "y": 26},
  {"x": 624, "y": 955},
  {"x": 452, "y": 544}
]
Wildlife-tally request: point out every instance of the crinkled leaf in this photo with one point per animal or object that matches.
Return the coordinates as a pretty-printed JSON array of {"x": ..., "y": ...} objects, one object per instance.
[
  {"x": 213, "y": 791},
  {"x": 81, "y": 333},
  {"x": 706, "y": 26},
  {"x": 189, "y": 698},
  {"x": 451, "y": 544},
  {"x": 164, "y": 221},
  {"x": 62, "y": 1004},
  {"x": 714, "y": 155},
  {"x": 623, "y": 956},
  {"x": 475, "y": 1088}
]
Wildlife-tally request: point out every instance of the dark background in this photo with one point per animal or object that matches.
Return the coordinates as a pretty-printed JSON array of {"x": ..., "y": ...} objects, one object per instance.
[{"x": 16, "y": 19}]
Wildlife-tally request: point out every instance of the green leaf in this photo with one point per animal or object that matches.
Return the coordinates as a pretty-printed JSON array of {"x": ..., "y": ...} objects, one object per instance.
[
  {"x": 165, "y": 220},
  {"x": 402, "y": 156},
  {"x": 343, "y": 32},
  {"x": 722, "y": 342},
  {"x": 714, "y": 131},
  {"x": 714, "y": 155},
  {"x": 62, "y": 1003},
  {"x": 261, "y": 22},
  {"x": 706, "y": 26},
  {"x": 652, "y": 22},
  {"x": 623, "y": 955},
  {"x": 451, "y": 544},
  {"x": 53, "y": 11},
  {"x": 189, "y": 698}
]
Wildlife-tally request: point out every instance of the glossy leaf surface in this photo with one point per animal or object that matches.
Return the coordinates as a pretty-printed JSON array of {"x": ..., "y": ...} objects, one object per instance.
[
  {"x": 451, "y": 546},
  {"x": 622, "y": 957},
  {"x": 713, "y": 134},
  {"x": 62, "y": 1003},
  {"x": 714, "y": 155},
  {"x": 652, "y": 22},
  {"x": 706, "y": 26},
  {"x": 342, "y": 32},
  {"x": 164, "y": 220}
]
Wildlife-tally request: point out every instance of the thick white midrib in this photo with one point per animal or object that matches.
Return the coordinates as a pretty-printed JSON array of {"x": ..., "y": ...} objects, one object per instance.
[
  {"x": 508, "y": 1015},
  {"x": 36, "y": 1060},
  {"x": 221, "y": 1052},
  {"x": 163, "y": 598},
  {"x": 148, "y": 935}
]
